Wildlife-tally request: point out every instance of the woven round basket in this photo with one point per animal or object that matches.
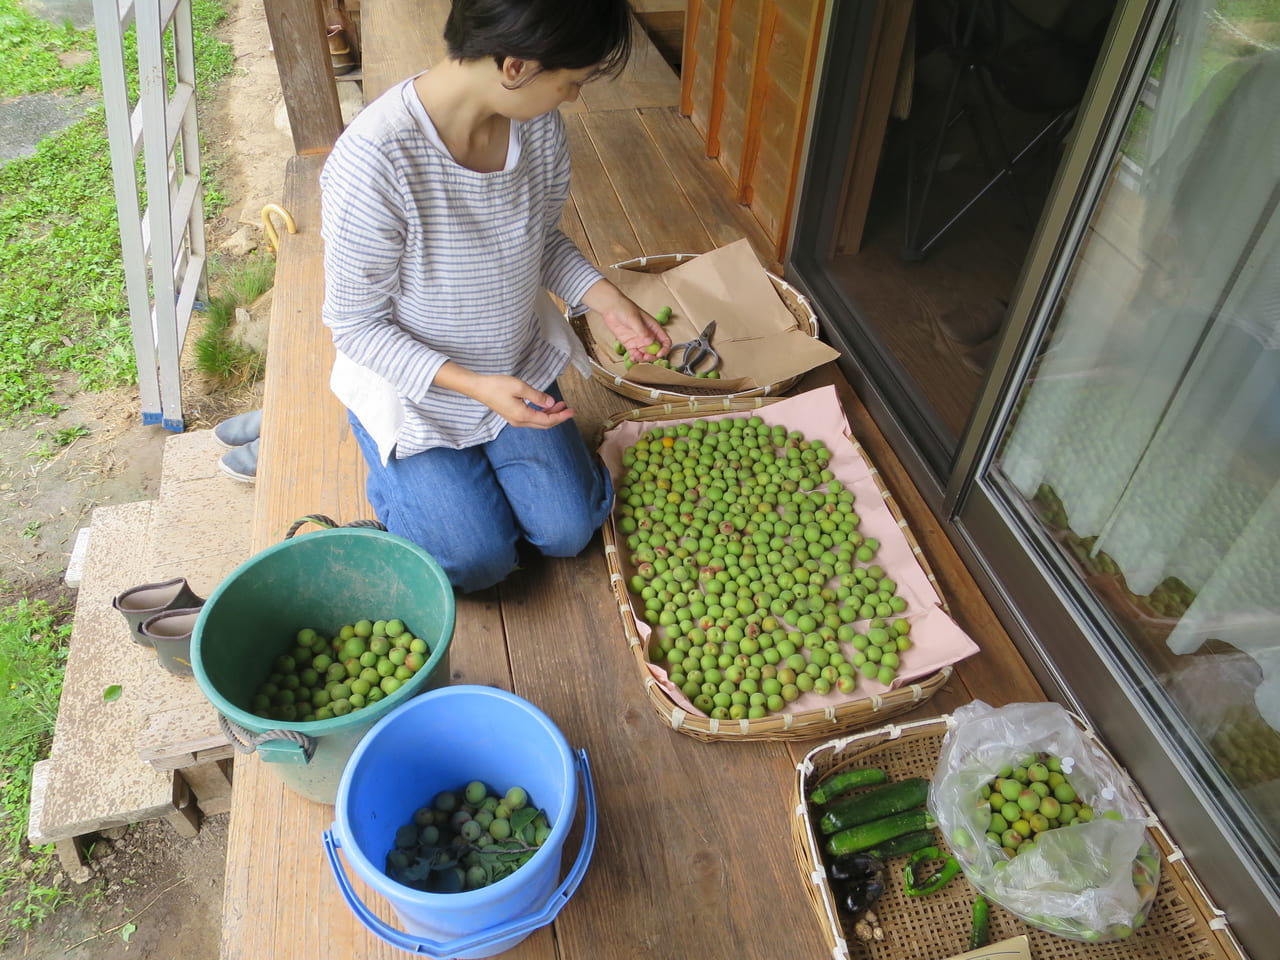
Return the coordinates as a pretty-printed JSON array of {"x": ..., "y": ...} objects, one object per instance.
[
  {"x": 1183, "y": 923},
  {"x": 796, "y": 302},
  {"x": 828, "y": 721}
]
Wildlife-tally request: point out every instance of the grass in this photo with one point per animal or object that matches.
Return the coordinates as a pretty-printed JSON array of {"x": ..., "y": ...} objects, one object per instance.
[
  {"x": 1223, "y": 60},
  {"x": 62, "y": 310},
  {"x": 62, "y": 284},
  {"x": 34, "y": 896},
  {"x": 217, "y": 353},
  {"x": 33, "y": 652},
  {"x": 33, "y": 53}
]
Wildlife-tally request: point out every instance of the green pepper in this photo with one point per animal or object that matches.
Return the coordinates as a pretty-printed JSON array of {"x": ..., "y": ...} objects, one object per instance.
[{"x": 919, "y": 888}]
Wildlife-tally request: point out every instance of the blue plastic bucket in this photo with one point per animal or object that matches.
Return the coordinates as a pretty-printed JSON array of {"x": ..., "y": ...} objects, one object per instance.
[{"x": 441, "y": 741}]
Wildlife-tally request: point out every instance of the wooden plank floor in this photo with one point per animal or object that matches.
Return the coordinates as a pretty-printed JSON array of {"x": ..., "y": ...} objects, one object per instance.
[{"x": 694, "y": 844}]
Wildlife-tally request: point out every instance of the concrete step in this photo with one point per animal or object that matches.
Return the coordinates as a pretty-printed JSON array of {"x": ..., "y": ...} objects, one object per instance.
[
  {"x": 199, "y": 530},
  {"x": 202, "y": 517},
  {"x": 113, "y": 761},
  {"x": 94, "y": 778}
]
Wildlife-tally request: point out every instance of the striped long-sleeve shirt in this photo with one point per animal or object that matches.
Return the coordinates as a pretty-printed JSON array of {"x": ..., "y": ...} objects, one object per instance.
[{"x": 427, "y": 261}]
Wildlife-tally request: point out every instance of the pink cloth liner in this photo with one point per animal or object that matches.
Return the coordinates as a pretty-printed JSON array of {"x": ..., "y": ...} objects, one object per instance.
[{"x": 937, "y": 640}]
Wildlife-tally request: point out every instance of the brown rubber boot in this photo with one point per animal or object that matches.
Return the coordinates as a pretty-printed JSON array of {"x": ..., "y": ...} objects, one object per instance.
[
  {"x": 141, "y": 603},
  {"x": 972, "y": 323},
  {"x": 978, "y": 358},
  {"x": 170, "y": 633},
  {"x": 340, "y": 55}
]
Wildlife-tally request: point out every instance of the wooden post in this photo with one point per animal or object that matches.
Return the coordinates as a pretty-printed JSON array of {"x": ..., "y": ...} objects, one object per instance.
[
  {"x": 298, "y": 36},
  {"x": 760, "y": 84},
  {"x": 723, "y": 39},
  {"x": 802, "y": 123},
  {"x": 689, "y": 56}
]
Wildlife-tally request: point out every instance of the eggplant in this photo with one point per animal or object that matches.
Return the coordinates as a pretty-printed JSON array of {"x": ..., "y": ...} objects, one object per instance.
[
  {"x": 858, "y": 882},
  {"x": 854, "y": 866}
]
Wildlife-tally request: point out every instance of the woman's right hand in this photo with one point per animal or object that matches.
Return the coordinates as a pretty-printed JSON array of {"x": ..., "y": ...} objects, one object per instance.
[
  {"x": 509, "y": 397},
  {"x": 518, "y": 403}
]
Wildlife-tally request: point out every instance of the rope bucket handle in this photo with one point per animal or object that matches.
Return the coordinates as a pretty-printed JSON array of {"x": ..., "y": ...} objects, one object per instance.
[
  {"x": 293, "y": 746},
  {"x": 320, "y": 520}
]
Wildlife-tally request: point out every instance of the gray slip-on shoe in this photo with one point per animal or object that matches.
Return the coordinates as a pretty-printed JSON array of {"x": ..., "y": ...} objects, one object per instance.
[
  {"x": 241, "y": 463},
  {"x": 138, "y": 604},
  {"x": 170, "y": 633},
  {"x": 239, "y": 430}
]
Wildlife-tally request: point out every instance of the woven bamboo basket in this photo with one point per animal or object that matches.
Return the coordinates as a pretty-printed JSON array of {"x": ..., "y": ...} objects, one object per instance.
[
  {"x": 828, "y": 721},
  {"x": 1183, "y": 923},
  {"x": 793, "y": 299}
]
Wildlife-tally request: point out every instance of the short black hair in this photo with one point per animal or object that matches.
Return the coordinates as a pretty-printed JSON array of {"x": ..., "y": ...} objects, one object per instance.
[{"x": 557, "y": 34}]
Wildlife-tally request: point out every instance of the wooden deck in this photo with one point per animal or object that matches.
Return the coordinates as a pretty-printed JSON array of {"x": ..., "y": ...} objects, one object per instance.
[{"x": 694, "y": 855}]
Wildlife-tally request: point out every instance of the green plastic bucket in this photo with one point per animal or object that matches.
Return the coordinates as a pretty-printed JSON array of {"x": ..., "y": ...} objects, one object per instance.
[{"x": 321, "y": 580}]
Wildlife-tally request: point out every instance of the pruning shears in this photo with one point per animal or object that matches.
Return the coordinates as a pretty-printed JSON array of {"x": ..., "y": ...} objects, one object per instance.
[{"x": 695, "y": 351}]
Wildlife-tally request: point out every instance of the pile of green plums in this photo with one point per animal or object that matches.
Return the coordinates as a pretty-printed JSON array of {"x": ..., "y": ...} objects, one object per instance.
[
  {"x": 324, "y": 677},
  {"x": 1023, "y": 801},
  {"x": 1032, "y": 796},
  {"x": 467, "y": 839},
  {"x": 745, "y": 557}
]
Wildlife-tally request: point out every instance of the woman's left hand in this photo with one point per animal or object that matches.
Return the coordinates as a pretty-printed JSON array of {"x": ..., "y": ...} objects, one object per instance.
[{"x": 634, "y": 328}]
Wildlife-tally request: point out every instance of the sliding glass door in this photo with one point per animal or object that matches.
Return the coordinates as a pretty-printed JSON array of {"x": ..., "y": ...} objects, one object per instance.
[
  {"x": 1114, "y": 482},
  {"x": 1128, "y": 464}
]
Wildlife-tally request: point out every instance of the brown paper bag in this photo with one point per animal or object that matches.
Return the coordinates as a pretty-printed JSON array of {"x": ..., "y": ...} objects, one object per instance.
[{"x": 759, "y": 340}]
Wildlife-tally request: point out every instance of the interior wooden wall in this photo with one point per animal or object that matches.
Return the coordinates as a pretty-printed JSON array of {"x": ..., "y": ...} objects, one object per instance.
[{"x": 746, "y": 80}]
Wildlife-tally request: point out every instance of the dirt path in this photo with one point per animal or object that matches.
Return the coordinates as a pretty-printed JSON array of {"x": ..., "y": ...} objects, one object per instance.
[{"x": 154, "y": 896}]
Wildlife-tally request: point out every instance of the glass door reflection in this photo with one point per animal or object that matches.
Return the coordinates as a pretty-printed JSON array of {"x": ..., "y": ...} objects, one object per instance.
[{"x": 1147, "y": 439}]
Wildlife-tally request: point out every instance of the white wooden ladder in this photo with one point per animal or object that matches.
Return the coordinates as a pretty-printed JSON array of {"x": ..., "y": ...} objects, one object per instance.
[{"x": 163, "y": 242}]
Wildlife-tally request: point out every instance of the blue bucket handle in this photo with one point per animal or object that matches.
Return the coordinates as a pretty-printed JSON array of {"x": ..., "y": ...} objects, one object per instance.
[{"x": 434, "y": 949}]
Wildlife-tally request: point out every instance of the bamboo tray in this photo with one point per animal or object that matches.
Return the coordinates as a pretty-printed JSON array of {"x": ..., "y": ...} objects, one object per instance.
[
  {"x": 1183, "y": 923},
  {"x": 793, "y": 299},
  {"x": 828, "y": 721}
]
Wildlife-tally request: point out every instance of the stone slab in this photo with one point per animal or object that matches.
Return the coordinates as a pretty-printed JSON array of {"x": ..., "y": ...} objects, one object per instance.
[
  {"x": 39, "y": 789},
  {"x": 75, "y": 565},
  {"x": 95, "y": 777},
  {"x": 202, "y": 517},
  {"x": 177, "y": 736},
  {"x": 199, "y": 530}
]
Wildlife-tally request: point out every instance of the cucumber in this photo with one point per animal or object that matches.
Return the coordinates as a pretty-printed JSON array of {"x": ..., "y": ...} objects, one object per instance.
[
  {"x": 867, "y": 835},
  {"x": 875, "y": 804},
  {"x": 844, "y": 781},
  {"x": 980, "y": 935},
  {"x": 907, "y": 843}
]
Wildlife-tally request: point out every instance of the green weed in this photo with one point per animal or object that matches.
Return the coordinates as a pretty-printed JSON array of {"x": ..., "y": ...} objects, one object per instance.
[
  {"x": 33, "y": 651},
  {"x": 34, "y": 54},
  {"x": 62, "y": 284},
  {"x": 251, "y": 280},
  {"x": 37, "y": 904},
  {"x": 217, "y": 353},
  {"x": 69, "y": 435},
  {"x": 50, "y": 445}
]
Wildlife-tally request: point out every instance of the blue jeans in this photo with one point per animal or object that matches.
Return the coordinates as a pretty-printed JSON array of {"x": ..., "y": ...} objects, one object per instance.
[{"x": 468, "y": 508}]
